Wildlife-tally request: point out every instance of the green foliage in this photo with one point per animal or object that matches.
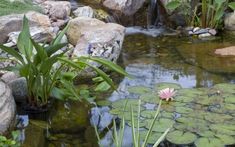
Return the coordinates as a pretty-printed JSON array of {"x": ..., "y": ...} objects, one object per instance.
[
  {"x": 207, "y": 13},
  {"x": 139, "y": 140},
  {"x": 48, "y": 72},
  {"x": 12, "y": 142},
  {"x": 17, "y": 6}
]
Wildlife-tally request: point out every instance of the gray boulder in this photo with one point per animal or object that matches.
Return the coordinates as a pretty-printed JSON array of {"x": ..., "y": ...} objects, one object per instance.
[
  {"x": 7, "y": 107},
  {"x": 19, "y": 89},
  {"x": 229, "y": 22},
  {"x": 127, "y": 7},
  {"x": 85, "y": 11},
  {"x": 13, "y": 23}
]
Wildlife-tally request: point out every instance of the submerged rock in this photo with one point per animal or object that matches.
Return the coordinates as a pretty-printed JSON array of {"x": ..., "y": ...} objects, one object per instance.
[
  {"x": 7, "y": 107},
  {"x": 19, "y": 89},
  {"x": 229, "y": 21},
  {"x": 227, "y": 51},
  {"x": 127, "y": 7}
]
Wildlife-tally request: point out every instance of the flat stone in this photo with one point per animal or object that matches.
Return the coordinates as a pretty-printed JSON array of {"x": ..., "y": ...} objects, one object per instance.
[
  {"x": 85, "y": 11},
  {"x": 227, "y": 51}
]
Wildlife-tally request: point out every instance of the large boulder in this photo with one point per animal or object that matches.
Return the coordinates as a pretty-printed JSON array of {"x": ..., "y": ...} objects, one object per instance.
[
  {"x": 57, "y": 9},
  {"x": 96, "y": 38},
  {"x": 7, "y": 108},
  {"x": 229, "y": 21},
  {"x": 127, "y": 7},
  {"x": 85, "y": 11},
  {"x": 13, "y": 23}
]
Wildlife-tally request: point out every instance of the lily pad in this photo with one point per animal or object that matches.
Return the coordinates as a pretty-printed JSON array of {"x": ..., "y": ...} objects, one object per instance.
[
  {"x": 150, "y": 98},
  {"x": 181, "y": 138},
  {"x": 230, "y": 99},
  {"x": 225, "y": 87},
  {"x": 120, "y": 104},
  {"x": 161, "y": 125},
  {"x": 152, "y": 138},
  {"x": 161, "y": 86},
  {"x": 226, "y": 139},
  {"x": 103, "y": 103},
  {"x": 218, "y": 118},
  {"x": 226, "y": 129},
  {"x": 208, "y": 142},
  {"x": 206, "y": 133},
  {"x": 139, "y": 89}
]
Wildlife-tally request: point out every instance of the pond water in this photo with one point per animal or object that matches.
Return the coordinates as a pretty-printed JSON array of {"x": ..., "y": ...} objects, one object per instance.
[{"x": 186, "y": 61}]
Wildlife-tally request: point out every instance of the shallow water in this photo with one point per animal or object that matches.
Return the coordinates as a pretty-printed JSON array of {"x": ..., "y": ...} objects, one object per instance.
[{"x": 187, "y": 61}]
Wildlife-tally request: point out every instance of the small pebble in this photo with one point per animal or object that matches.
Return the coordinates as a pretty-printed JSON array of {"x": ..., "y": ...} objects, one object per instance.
[
  {"x": 212, "y": 32},
  {"x": 204, "y": 35},
  {"x": 196, "y": 29}
]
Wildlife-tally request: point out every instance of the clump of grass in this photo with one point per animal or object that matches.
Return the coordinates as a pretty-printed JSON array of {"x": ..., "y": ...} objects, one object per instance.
[{"x": 17, "y": 7}]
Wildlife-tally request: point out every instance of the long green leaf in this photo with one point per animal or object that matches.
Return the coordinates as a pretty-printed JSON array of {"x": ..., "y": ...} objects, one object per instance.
[
  {"x": 54, "y": 48},
  {"x": 232, "y": 5},
  {"x": 109, "y": 64},
  {"x": 172, "y": 5},
  {"x": 161, "y": 138},
  {"x": 58, "y": 38},
  {"x": 24, "y": 43},
  {"x": 12, "y": 52}
]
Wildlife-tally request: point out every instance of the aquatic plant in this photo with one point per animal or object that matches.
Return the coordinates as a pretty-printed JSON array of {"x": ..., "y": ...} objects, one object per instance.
[
  {"x": 137, "y": 138},
  {"x": 207, "y": 13},
  {"x": 199, "y": 116},
  {"x": 10, "y": 142},
  {"x": 167, "y": 94},
  {"x": 37, "y": 63}
]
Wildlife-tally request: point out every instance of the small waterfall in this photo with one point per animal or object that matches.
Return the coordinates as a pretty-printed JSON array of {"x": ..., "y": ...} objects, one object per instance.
[{"x": 157, "y": 13}]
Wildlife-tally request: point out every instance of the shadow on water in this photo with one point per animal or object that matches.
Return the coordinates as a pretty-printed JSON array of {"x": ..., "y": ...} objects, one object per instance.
[{"x": 187, "y": 61}]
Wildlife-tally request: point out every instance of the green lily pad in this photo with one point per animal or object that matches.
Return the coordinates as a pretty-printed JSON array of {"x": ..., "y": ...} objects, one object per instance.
[
  {"x": 150, "y": 98},
  {"x": 225, "y": 87},
  {"x": 152, "y": 138},
  {"x": 181, "y": 138},
  {"x": 142, "y": 123},
  {"x": 139, "y": 89},
  {"x": 120, "y": 104},
  {"x": 148, "y": 113},
  {"x": 230, "y": 99},
  {"x": 183, "y": 110},
  {"x": 208, "y": 142},
  {"x": 218, "y": 118},
  {"x": 184, "y": 99},
  {"x": 161, "y": 125},
  {"x": 206, "y": 133},
  {"x": 226, "y": 139},
  {"x": 226, "y": 129},
  {"x": 161, "y": 86}
]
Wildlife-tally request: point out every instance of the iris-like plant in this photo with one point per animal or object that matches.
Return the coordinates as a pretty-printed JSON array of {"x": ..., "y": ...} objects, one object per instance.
[
  {"x": 207, "y": 13},
  {"x": 137, "y": 141},
  {"x": 37, "y": 62}
]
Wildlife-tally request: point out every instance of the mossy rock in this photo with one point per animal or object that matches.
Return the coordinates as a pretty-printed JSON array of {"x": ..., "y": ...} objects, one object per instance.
[{"x": 181, "y": 138}]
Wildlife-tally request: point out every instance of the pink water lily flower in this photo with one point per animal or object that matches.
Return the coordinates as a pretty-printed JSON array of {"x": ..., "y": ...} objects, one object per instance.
[{"x": 167, "y": 94}]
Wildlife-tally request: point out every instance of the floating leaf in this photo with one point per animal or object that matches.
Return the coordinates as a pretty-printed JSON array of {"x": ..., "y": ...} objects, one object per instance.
[
  {"x": 139, "y": 89},
  {"x": 230, "y": 99},
  {"x": 150, "y": 98},
  {"x": 161, "y": 86},
  {"x": 207, "y": 133},
  {"x": 152, "y": 138},
  {"x": 226, "y": 139},
  {"x": 208, "y": 142},
  {"x": 161, "y": 125},
  {"x": 103, "y": 103},
  {"x": 181, "y": 138}
]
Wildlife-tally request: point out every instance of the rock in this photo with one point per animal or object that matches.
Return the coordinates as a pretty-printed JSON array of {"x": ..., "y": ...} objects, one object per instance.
[
  {"x": 7, "y": 107},
  {"x": 229, "y": 21},
  {"x": 57, "y": 9},
  {"x": 76, "y": 26},
  {"x": 200, "y": 31},
  {"x": 39, "y": 34},
  {"x": 212, "y": 32},
  {"x": 9, "y": 76},
  {"x": 204, "y": 35},
  {"x": 13, "y": 23},
  {"x": 102, "y": 41},
  {"x": 127, "y": 7},
  {"x": 19, "y": 89},
  {"x": 227, "y": 51},
  {"x": 196, "y": 29},
  {"x": 85, "y": 11},
  {"x": 103, "y": 16}
]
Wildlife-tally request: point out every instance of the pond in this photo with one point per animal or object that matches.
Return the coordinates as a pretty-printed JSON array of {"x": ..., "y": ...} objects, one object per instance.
[{"x": 189, "y": 62}]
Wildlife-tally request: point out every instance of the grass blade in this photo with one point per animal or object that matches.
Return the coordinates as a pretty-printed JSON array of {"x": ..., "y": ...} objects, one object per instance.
[{"x": 161, "y": 138}]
